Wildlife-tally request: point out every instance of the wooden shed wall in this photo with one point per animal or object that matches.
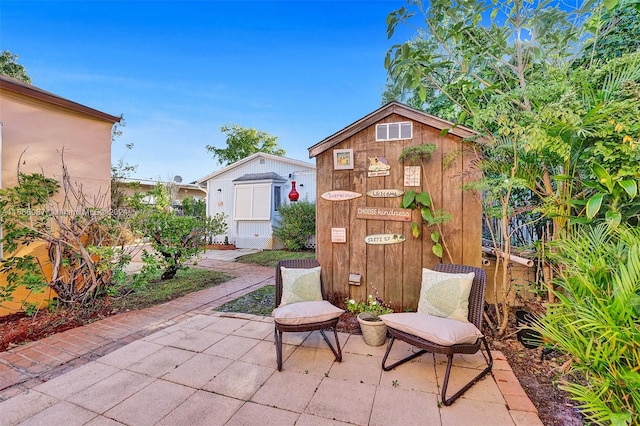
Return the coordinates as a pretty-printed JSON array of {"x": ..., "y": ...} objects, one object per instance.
[{"x": 394, "y": 270}]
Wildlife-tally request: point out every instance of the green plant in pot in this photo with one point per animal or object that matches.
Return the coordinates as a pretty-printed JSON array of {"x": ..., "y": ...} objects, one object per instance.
[{"x": 374, "y": 330}]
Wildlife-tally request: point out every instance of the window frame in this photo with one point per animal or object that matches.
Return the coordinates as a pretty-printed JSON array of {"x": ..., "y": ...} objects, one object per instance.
[{"x": 402, "y": 128}]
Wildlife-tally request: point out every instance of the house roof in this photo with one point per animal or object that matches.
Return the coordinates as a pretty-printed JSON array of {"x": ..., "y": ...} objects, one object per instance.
[
  {"x": 151, "y": 183},
  {"x": 14, "y": 85},
  {"x": 393, "y": 107},
  {"x": 245, "y": 160},
  {"x": 259, "y": 176}
]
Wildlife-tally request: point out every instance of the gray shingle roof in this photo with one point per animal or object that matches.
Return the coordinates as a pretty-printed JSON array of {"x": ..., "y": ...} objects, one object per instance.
[{"x": 260, "y": 176}]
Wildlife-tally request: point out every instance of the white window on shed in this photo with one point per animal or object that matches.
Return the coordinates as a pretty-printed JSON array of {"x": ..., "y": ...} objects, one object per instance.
[
  {"x": 252, "y": 202},
  {"x": 394, "y": 131}
]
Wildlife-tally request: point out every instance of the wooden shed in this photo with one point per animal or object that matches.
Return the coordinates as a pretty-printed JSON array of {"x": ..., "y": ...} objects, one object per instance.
[{"x": 363, "y": 237}]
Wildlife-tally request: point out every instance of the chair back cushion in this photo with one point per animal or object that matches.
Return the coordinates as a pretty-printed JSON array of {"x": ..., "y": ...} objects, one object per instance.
[
  {"x": 306, "y": 313},
  {"x": 442, "y": 331},
  {"x": 445, "y": 294},
  {"x": 293, "y": 264},
  {"x": 300, "y": 285}
]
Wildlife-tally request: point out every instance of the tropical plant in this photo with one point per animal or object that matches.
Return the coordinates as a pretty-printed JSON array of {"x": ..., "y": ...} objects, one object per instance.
[
  {"x": 423, "y": 202},
  {"x": 543, "y": 122},
  {"x": 595, "y": 321},
  {"x": 615, "y": 194}
]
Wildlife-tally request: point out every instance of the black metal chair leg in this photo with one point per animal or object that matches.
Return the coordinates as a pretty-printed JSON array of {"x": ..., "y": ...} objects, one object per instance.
[
  {"x": 466, "y": 387},
  {"x": 278, "y": 338},
  {"x": 338, "y": 353},
  {"x": 402, "y": 361}
]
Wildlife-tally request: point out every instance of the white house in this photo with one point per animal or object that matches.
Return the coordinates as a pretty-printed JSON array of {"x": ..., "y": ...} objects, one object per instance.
[{"x": 250, "y": 191}]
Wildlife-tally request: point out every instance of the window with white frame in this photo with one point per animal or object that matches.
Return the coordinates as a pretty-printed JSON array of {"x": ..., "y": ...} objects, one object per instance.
[
  {"x": 394, "y": 131},
  {"x": 277, "y": 197},
  {"x": 252, "y": 202}
]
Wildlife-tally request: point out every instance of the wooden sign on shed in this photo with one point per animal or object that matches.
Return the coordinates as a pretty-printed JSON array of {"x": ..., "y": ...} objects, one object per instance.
[{"x": 394, "y": 270}]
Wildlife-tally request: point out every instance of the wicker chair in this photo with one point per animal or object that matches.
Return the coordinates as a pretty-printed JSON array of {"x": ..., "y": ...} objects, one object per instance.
[
  {"x": 476, "y": 306},
  {"x": 310, "y": 324}
]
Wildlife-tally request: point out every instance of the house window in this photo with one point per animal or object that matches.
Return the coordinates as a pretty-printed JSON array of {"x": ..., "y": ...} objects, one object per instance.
[
  {"x": 277, "y": 197},
  {"x": 394, "y": 131},
  {"x": 252, "y": 202}
]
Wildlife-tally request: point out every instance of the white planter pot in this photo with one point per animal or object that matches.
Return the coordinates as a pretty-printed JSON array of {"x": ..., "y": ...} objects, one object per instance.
[{"x": 374, "y": 333}]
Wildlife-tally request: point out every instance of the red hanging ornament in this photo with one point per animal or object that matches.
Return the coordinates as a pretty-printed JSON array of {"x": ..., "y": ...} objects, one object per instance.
[{"x": 293, "y": 195}]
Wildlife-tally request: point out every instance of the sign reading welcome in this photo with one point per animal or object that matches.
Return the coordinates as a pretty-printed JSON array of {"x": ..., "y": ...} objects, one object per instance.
[
  {"x": 385, "y": 193},
  {"x": 384, "y": 213}
]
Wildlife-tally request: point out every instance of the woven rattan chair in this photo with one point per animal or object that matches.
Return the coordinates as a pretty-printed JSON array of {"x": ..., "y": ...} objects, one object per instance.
[
  {"x": 476, "y": 306},
  {"x": 309, "y": 324}
]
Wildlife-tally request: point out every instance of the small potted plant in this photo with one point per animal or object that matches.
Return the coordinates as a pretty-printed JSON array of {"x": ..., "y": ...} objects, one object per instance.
[{"x": 374, "y": 330}]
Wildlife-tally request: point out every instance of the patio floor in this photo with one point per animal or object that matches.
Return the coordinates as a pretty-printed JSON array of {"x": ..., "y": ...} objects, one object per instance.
[{"x": 183, "y": 363}]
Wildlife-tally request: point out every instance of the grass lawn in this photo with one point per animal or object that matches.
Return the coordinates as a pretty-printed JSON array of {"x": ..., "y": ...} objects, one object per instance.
[
  {"x": 271, "y": 257},
  {"x": 262, "y": 301},
  {"x": 155, "y": 292},
  {"x": 258, "y": 302}
]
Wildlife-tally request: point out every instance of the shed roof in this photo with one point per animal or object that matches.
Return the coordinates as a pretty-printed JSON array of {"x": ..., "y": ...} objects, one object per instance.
[
  {"x": 245, "y": 160},
  {"x": 393, "y": 107},
  {"x": 14, "y": 85},
  {"x": 260, "y": 176}
]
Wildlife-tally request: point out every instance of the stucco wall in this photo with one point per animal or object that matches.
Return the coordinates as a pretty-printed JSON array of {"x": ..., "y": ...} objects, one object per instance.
[{"x": 36, "y": 133}]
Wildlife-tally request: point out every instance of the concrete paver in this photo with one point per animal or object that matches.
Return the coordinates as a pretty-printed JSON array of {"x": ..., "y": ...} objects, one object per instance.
[{"x": 183, "y": 363}]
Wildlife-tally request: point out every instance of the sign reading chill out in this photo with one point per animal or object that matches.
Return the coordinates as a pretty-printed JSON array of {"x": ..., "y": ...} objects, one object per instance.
[{"x": 383, "y": 213}]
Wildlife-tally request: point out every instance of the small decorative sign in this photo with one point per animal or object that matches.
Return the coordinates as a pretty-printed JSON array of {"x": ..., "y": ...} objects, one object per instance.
[
  {"x": 340, "y": 195},
  {"x": 343, "y": 159},
  {"x": 411, "y": 175},
  {"x": 384, "y": 239},
  {"x": 338, "y": 235},
  {"x": 355, "y": 279},
  {"x": 378, "y": 166},
  {"x": 385, "y": 193},
  {"x": 384, "y": 213}
]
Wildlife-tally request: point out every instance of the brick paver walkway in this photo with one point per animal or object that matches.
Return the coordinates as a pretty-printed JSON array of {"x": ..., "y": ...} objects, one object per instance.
[{"x": 29, "y": 365}]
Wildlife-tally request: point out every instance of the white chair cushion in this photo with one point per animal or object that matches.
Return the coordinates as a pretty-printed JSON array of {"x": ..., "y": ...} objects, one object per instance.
[
  {"x": 443, "y": 331},
  {"x": 300, "y": 285},
  {"x": 306, "y": 313},
  {"x": 445, "y": 295}
]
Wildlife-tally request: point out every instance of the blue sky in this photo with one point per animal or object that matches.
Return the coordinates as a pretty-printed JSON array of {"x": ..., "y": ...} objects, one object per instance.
[{"x": 177, "y": 71}]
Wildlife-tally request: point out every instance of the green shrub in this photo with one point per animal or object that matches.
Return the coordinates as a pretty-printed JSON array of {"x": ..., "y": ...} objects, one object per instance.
[
  {"x": 297, "y": 224},
  {"x": 597, "y": 322},
  {"x": 194, "y": 207},
  {"x": 177, "y": 239}
]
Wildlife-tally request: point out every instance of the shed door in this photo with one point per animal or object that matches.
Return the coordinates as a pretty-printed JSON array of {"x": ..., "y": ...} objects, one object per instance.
[{"x": 252, "y": 202}]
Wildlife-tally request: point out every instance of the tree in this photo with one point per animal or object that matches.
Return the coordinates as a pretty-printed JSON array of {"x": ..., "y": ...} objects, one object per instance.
[
  {"x": 504, "y": 68},
  {"x": 616, "y": 32},
  {"x": 242, "y": 142},
  {"x": 175, "y": 239},
  {"x": 9, "y": 66}
]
